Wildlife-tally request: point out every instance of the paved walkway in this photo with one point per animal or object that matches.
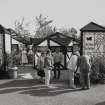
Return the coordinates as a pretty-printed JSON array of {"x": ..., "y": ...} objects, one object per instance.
[
  {"x": 27, "y": 72},
  {"x": 31, "y": 92}
]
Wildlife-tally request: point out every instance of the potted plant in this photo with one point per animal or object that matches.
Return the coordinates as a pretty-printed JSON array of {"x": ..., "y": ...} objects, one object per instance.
[{"x": 11, "y": 65}]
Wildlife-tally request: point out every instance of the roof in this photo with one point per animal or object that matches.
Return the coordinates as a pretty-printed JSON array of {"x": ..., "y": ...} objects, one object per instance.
[
  {"x": 17, "y": 36},
  {"x": 57, "y": 37},
  {"x": 93, "y": 27},
  {"x": 60, "y": 38},
  {"x": 37, "y": 41}
]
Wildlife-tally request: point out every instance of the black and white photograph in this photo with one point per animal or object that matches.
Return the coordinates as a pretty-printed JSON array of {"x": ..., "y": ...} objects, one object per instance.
[{"x": 52, "y": 52}]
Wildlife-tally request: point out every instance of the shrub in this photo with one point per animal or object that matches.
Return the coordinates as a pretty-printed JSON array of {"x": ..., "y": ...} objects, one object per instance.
[{"x": 98, "y": 70}]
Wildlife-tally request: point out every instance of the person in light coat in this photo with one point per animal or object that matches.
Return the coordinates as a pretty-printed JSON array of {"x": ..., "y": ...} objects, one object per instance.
[
  {"x": 24, "y": 56},
  {"x": 48, "y": 65},
  {"x": 40, "y": 66},
  {"x": 72, "y": 66}
]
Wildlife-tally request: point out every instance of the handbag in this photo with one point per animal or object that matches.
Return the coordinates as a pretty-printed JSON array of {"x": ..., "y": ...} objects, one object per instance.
[{"x": 41, "y": 73}]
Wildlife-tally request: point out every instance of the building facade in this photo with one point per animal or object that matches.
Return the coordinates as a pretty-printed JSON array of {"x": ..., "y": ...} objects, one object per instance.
[{"x": 93, "y": 40}]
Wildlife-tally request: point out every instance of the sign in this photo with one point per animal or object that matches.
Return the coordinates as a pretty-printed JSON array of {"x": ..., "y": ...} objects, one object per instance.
[{"x": 89, "y": 42}]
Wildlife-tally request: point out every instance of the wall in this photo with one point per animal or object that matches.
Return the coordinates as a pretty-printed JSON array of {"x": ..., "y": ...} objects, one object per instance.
[
  {"x": 7, "y": 43},
  {"x": 1, "y": 48},
  {"x": 94, "y": 43}
]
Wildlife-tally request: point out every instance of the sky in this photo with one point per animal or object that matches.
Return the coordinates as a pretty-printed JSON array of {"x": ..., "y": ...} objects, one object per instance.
[{"x": 64, "y": 13}]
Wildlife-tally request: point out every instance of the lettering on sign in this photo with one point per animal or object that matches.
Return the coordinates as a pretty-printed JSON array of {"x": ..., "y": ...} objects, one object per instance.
[{"x": 89, "y": 42}]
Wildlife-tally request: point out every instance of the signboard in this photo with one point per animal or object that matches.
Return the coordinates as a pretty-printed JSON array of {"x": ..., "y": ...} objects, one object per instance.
[{"x": 89, "y": 42}]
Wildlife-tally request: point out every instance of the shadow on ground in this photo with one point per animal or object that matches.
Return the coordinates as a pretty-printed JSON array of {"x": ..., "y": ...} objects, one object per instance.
[
  {"x": 48, "y": 91},
  {"x": 20, "y": 83},
  {"x": 102, "y": 103},
  {"x": 33, "y": 88}
]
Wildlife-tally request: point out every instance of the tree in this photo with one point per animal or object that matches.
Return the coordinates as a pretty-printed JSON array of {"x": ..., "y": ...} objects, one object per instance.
[
  {"x": 43, "y": 26},
  {"x": 72, "y": 32},
  {"x": 65, "y": 31},
  {"x": 21, "y": 28}
]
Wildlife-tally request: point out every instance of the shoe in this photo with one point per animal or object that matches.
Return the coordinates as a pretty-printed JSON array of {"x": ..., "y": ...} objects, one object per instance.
[
  {"x": 58, "y": 78},
  {"x": 83, "y": 88},
  {"x": 72, "y": 87},
  {"x": 41, "y": 81},
  {"x": 88, "y": 88},
  {"x": 51, "y": 86},
  {"x": 54, "y": 77}
]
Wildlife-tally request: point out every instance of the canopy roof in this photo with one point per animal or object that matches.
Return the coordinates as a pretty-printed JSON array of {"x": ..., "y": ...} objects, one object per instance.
[
  {"x": 57, "y": 37},
  {"x": 17, "y": 36},
  {"x": 14, "y": 35}
]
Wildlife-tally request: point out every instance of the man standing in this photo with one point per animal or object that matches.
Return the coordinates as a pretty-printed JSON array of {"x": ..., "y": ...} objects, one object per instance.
[
  {"x": 72, "y": 66},
  {"x": 84, "y": 65},
  {"x": 57, "y": 62},
  {"x": 48, "y": 64},
  {"x": 40, "y": 66}
]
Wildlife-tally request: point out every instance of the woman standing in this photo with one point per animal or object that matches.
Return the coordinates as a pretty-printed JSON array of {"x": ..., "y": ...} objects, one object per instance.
[
  {"x": 48, "y": 64},
  {"x": 24, "y": 56},
  {"x": 30, "y": 56}
]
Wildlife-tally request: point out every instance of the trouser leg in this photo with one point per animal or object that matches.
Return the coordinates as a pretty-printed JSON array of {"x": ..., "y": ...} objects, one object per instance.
[
  {"x": 88, "y": 80},
  {"x": 71, "y": 79},
  {"x": 82, "y": 80},
  {"x": 54, "y": 72},
  {"x": 55, "y": 69},
  {"x": 59, "y": 73},
  {"x": 58, "y": 69},
  {"x": 47, "y": 77}
]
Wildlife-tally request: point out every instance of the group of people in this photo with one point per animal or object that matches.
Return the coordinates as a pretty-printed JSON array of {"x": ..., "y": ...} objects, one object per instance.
[
  {"x": 24, "y": 57},
  {"x": 48, "y": 62},
  {"x": 82, "y": 65},
  {"x": 20, "y": 57}
]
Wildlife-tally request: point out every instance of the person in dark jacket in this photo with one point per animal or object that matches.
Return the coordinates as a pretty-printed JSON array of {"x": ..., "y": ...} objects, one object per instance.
[
  {"x": 58, "y": 57},
  {"x": 84, "y": 65}
]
